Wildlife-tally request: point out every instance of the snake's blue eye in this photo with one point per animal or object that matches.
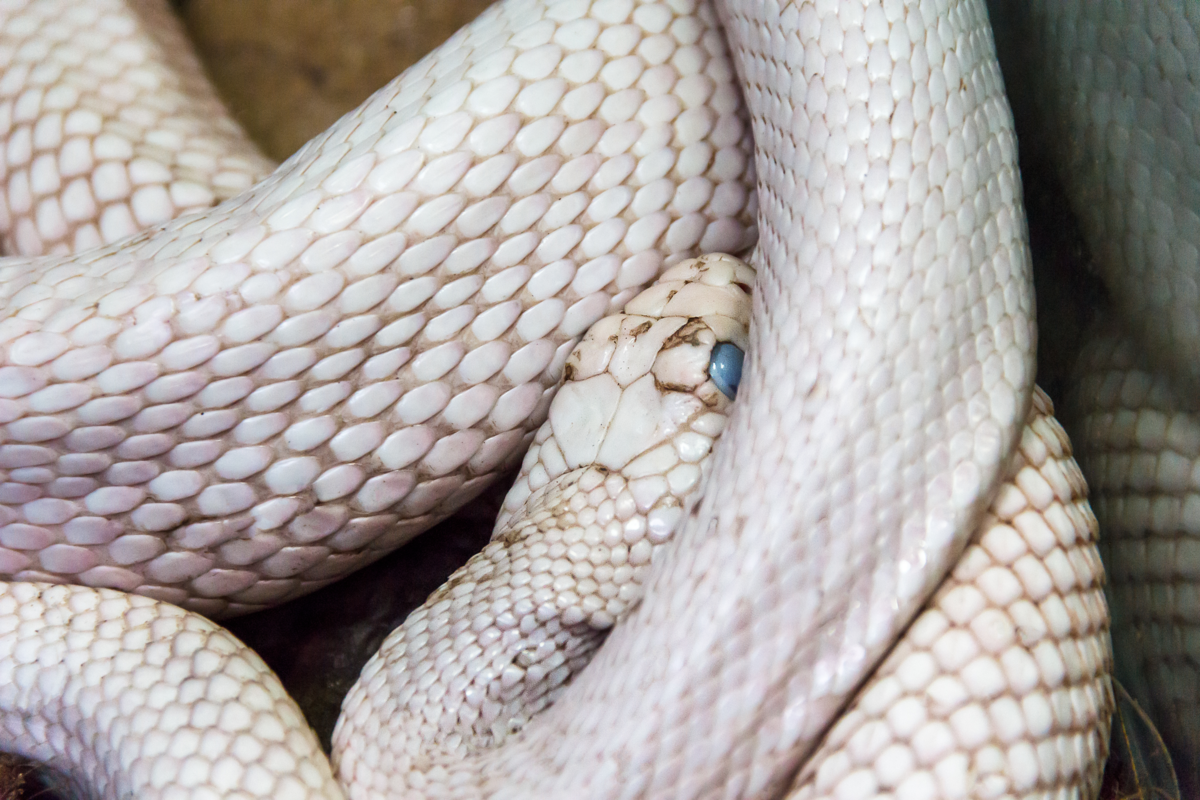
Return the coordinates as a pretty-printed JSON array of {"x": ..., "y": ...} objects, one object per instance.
[{"x": 725, "y": 368}]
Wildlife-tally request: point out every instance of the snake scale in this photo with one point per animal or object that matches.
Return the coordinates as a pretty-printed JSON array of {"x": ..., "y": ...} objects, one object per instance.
[
  {"x": 244, "y": 403},
  {"x": 1117, "y": 111}
]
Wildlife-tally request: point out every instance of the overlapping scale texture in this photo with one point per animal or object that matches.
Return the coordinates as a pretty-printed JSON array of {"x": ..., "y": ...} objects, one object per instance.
[
  {"x": 1118, "y": 105},
  {"x": 888, "y": 373},
  {"x": 1119, "y": 97},
  {"x": 1001, "y": 686},
  {"x": 200, "y": 716},
  {"x": 889, "y": 369},
  {"x": 609, "y": 477},
  {"x": 242, "y": 406},
  {"x": 107, "y": 125},
  {"x": 1140, "y": 446}
]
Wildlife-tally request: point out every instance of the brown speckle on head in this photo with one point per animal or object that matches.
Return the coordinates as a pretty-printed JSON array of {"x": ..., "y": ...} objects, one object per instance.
[{"x": 688, "y": 335}]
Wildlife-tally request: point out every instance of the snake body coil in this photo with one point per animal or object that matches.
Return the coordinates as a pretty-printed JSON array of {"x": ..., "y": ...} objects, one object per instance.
[
  {"x": 241, "y": 405},
  {"x": 1116, "y": 104}
]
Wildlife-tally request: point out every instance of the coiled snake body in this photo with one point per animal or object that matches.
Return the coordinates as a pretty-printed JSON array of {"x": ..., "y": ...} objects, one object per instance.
[
  {"x": 1118, "y": 116},
  {"x": 245, "y": 403}
]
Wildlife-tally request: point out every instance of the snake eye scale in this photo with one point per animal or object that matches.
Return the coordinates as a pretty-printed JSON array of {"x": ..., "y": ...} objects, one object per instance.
[{"x": 880, "y": 580}]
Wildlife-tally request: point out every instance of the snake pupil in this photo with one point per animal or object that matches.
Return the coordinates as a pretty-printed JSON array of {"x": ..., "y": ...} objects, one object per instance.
[{"x": 725, "y": 368}]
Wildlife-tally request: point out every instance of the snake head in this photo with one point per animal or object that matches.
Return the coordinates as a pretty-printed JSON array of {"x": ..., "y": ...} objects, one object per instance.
[
  {"x": 640, "y": 378},
  {"x": 642, "y": 395}
]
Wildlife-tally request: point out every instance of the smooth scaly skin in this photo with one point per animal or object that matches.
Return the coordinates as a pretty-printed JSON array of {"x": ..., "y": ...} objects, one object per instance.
[
  {"x": 977, "y": 689},
  {"x": 604, "y": 485},
  {"x": 126, "y": 696},
  {"x": 247, "y": 405},
  {"x": 774, "y": 601},
  {"x": 956, "y": 396},
  {"x": 1118, "y": 101},
  {"x": 1141, "y": 445},
  {"x": 1001, "y": 685},
  {"x": 194, "y": 676},
  {"x": 1120, "y": 116},
  {"x": 109, "y": 126}
]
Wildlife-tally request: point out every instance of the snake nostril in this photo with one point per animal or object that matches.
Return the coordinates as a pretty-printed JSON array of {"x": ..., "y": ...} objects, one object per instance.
[{"x": 725, "y": 368}]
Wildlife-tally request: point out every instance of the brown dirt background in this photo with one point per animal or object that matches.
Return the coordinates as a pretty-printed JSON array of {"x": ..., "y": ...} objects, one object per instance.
[{"x": 289, "y": 68}]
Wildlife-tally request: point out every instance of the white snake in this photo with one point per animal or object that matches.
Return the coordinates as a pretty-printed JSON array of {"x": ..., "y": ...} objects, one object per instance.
[{"x": 244, "y": 404}]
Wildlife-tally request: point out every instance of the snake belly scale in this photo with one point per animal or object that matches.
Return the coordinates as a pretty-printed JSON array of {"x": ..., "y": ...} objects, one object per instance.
[{"x": 245, "y": 403}]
